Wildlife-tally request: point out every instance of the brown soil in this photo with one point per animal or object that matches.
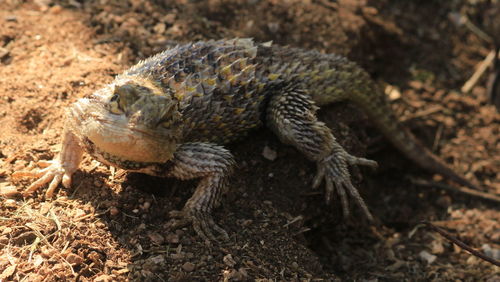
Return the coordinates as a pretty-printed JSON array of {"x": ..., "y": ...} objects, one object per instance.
[{"x": 113, "y": 225}]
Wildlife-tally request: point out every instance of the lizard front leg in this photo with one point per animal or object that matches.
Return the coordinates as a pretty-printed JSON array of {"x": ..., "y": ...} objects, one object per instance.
[
  {"x": 291, "y": 114},
  {"x": 58, "y": 170},
  {"x": 213, "y": 164}
]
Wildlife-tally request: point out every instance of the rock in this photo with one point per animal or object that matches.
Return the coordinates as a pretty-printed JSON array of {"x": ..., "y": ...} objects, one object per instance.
[
  {"x": 10, "y": 203},
  {"x": 392, "y": 92},
  {"x": 188, "y": 266},
  {"x": 113, "y": 211},
  {"x": 491, "y": 252},
  {"x": 8, "y": 272},
  {"x": 56, "y": 9},
  {"x": 74, "y": 259},
  {"x": 157, "y": 259},
  {"x": 269, "y": 153},
  {"x": 437, "y": 247},
  {"x": 229, "y": 261},
  {"x": 11, "y": 18},
  {"x": 156, "y": 238},
  {"x": 177, "y": 256},
  {"x": 103, "y": 278},
  {"x": 172, "y": 238},
  {"x": 8, "y": 191},
  {"x": 426, "y": 256},
  {"x": 3, "y": 52}
]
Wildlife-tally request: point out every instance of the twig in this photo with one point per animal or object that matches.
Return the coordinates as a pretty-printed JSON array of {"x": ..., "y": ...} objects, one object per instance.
[
  {"x": 461, "y": 244},
  {"x": 493, "y": 84},
  {"x": 482, "y": 67},
  {"x": 437, "y": 137},
  {"x": 423, "y": 113},
  {"x": 463, "y": 190},
  {"x": 460, "y": 19}
]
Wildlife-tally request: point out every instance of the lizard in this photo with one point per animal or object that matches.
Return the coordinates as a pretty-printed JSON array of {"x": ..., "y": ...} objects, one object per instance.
[{"x": 170, "y": 115}]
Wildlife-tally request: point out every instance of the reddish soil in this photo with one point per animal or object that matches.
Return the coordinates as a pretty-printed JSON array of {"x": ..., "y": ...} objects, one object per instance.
[{"x": 113, "y": 225}]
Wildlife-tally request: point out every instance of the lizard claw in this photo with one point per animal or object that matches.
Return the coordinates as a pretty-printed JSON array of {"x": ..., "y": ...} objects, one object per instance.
[
  {"x": 203, "y": 223},
  {"x": 54, "y": 172},
  {"x": 333, "y": 169}
]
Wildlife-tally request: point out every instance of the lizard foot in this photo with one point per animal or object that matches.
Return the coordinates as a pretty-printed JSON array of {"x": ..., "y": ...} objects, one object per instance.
[
  {"x": 53, "y": 172},
  {"x": 202, "y": 222},
  {"x": 334, "y": 170}
]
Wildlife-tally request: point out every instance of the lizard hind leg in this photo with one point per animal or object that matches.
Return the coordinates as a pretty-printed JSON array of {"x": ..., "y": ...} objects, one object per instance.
[
  {"x": 213, "y": 165},
  {"x": 291, "y": 114}
]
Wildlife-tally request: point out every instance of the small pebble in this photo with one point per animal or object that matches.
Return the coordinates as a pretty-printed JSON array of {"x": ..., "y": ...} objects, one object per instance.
[
  {"x": 177, "y": 256},
  {"x": 3, "y": 52},
  {"x": 10, "y": 203},
  {"x": 169, "y": 18},
  {"x": 188, "y": 266},
  {"x": 79, "y": 213},
  {"x": 103, "y": 278},
  {"x": 156, "y": 238},
  {"x": 56, "y": 9},
  {"x": 269, "y": 153},
  {"x": 159, "y": 28},
  {"x": 273, "y": 27},
  {"x": 392, "y": 92},
  {"x": 172, "y": 238},
  {"x": 8, "y": 271},
  {"x": 74, "y": 259},
  {"x": 426, "y": 256},
  {"x": 11, "y": 18},
  {"x": 157, "y": 259},
  {"x": 228, "y": 260},
  {"x": 46, "y": 252},
  {"x": 113, "y": 211},
  {"x": 491, "y": 252},
  {"x": 8, "y": 191},
  {"x": 6, "y": 230}
]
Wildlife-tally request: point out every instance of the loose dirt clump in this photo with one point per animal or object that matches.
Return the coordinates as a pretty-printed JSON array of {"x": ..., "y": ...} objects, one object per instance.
[{"x": 112, "y": 225}]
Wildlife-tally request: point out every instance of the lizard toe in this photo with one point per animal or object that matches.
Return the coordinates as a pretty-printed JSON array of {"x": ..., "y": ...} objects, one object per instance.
[
  {"x": 338, "y": 179},
  {"x": 352, "y": 160},
  {"x": 202, "y": 222},
  {"x": 53, "y": 173}
]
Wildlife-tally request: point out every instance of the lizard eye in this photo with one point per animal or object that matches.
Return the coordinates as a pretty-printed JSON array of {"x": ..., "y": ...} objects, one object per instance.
[{"x": 114, "y": 105}]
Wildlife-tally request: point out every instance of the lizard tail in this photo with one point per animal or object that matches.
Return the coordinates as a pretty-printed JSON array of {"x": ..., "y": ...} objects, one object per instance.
[{"x": 364, "y": 92}]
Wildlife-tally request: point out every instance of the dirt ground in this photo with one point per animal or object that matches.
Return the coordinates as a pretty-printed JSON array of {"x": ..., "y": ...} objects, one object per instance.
[{"x": 114, "y": 226}]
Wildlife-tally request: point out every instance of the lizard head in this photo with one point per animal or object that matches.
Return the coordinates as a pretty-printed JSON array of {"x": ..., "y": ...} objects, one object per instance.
[{"x": 130, "y": 119}]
